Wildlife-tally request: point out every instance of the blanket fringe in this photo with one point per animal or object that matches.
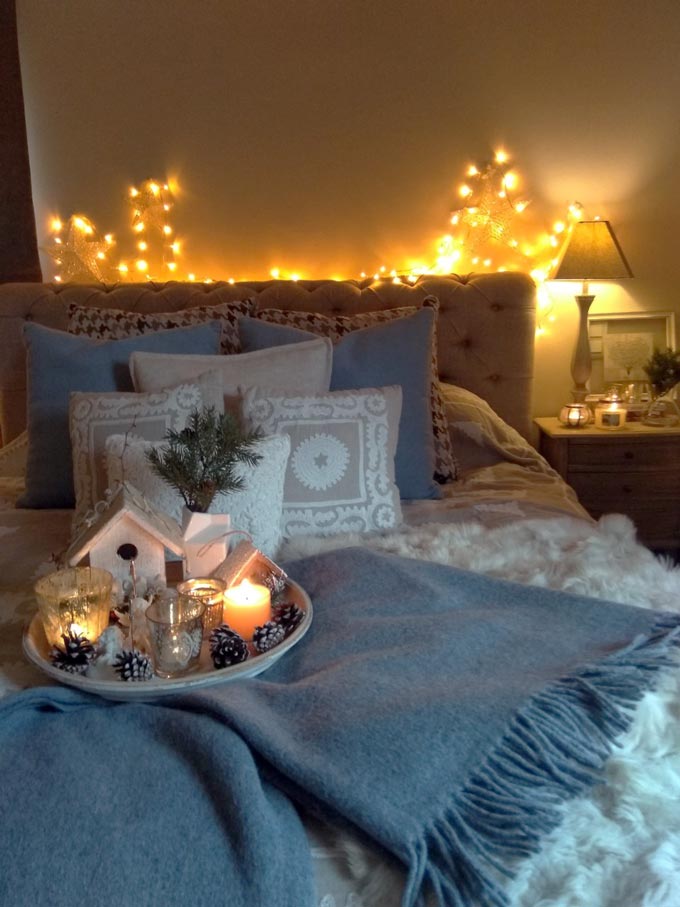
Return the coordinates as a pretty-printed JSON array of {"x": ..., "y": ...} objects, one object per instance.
[{"x": 555, "y": 748}]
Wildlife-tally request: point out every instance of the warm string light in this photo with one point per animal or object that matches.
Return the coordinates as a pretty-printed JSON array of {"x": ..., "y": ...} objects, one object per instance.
[{"x": 485, "y": 235}]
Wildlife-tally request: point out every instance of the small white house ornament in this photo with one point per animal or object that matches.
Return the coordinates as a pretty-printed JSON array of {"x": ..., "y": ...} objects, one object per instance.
[
  {"x": 205, "y": 539},
  {"x": 128, "y": 522}
]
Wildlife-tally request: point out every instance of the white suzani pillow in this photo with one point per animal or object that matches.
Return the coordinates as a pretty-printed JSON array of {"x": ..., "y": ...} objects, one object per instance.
[
  {"x": 340, "y": 475},
  {"x": 93, "y": 417},
  {"x": 255, "y": 509}
]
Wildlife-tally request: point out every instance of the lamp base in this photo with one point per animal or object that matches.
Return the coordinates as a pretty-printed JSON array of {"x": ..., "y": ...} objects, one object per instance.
[{"x": 581, "y": 363}]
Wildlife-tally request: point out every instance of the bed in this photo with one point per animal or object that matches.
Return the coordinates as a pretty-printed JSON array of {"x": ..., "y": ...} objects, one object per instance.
[{"x": 501, "y": 515}]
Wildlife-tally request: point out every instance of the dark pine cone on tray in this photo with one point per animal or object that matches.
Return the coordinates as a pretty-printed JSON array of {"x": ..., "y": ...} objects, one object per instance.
[
  {"x": 288, "y": 615},
  {"x": 268, "y": 636},
  {"x": 133, "y": 665},
  {"x": 76, "y": 655},
  {"x": 227, "y": 647}
]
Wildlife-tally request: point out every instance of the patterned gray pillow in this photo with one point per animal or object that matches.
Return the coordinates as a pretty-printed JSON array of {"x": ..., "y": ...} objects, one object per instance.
[
  {"x": 340, "y": 474},
  {"x": 107, "y": 324}
]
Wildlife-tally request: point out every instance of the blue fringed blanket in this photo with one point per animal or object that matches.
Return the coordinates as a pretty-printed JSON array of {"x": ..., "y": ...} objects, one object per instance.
[{"x": 445, "y": 714}]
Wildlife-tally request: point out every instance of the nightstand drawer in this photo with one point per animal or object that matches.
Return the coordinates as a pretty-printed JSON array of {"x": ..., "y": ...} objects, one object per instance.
[
  {"x": 623, "y": 453},
  {"x": 621, "y": 491}
]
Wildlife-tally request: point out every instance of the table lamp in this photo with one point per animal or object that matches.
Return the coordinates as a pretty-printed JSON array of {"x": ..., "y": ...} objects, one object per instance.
[{"x": 592, "y": 253}]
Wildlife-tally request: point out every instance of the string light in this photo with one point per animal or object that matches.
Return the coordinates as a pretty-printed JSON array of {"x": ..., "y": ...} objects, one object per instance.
[{"x": 483, "y": 228}]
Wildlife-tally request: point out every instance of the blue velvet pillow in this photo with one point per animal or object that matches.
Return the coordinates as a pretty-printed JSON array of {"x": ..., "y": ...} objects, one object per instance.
[
  {"x": 396, "y": 352},
  {"x": 59, "y": 363}
]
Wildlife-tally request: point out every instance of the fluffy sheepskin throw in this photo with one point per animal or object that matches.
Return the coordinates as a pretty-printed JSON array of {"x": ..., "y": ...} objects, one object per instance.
[{"x": 619, "y": 846}]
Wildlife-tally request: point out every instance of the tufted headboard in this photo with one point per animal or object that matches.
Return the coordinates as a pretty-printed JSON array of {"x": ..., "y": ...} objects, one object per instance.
[{"x": 486, "y": 325}]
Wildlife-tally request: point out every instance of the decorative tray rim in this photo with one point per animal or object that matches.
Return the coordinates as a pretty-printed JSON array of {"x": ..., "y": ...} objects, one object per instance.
[{"x": 36, "y": 647}]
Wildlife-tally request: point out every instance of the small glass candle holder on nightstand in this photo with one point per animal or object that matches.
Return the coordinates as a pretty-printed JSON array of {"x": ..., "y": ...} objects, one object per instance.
[{"x": 574, "y": 415}]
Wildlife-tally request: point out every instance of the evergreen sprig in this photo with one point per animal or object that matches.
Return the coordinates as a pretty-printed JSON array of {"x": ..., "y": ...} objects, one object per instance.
[
  {"x": 663, "y": 369},
  {"x": 200, "y": 460}
]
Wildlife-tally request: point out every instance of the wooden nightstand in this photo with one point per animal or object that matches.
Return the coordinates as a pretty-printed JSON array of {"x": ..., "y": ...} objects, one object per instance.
[{"x": 635, "y": 471}]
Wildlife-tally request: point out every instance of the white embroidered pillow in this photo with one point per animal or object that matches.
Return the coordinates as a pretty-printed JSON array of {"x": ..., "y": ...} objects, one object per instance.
[
  {"x": 93, "y": 417},
  {"x": 340, "y": 475},
  {"x": 255, "y": 509}
]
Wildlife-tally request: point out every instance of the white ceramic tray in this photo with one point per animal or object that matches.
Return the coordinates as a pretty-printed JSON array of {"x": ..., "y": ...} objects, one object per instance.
[{"x": 110, "y": 686}]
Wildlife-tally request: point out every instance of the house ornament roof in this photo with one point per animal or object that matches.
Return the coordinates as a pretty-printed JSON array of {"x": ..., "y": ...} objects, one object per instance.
[{"x": 127, "y": 501}]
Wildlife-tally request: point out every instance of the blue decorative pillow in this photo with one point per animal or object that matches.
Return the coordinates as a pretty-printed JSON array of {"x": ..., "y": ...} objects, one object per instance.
[
  {"x": 396, "y": 352},
  {"x": 58, "y": 364}
]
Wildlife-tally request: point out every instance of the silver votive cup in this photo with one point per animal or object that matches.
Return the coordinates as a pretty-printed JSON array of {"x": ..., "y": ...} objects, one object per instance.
[
  {"x": 210, "y": 591},
  {"x": 175, "y": 633}
]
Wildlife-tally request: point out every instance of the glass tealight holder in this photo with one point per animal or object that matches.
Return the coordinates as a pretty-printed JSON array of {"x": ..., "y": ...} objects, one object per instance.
[
  {"x": 210, "y": 591},
  {"x": 575, "y": 415},
  {"x": 75, "y": 600},
  {"x": 175, "y": 632}
]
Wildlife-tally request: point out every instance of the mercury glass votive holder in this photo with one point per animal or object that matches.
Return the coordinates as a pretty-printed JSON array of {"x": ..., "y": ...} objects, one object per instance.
[
  {"x": 175, "y": 633},
  {"x": 76, "y": 600},
  {"x": 210, "y": 591}
]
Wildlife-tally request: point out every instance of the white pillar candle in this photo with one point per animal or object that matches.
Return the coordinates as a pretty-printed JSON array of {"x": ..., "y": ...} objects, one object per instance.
[{"x": 247, "y": 606}]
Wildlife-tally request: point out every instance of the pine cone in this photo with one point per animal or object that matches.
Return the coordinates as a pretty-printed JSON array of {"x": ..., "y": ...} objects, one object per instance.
[
  {"x": 289, "y": 615},
  {"x": 268, "y": 636},
  {"x": 76, "y": 655},
  {"x": 133, "y": 665},
  {"x": 227, "y": 647}
]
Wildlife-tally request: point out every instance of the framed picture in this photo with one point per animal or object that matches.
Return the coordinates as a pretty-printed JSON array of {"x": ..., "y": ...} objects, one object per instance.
[{"x": 621, "y": 344}]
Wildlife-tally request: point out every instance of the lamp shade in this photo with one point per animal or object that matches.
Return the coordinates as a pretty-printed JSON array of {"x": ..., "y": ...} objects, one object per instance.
[{"x": 593, "y": 253}]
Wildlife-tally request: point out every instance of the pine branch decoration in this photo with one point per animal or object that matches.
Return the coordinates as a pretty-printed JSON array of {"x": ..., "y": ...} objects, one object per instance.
[
  {"x": 663, "y": 369},
  {"x": 200, "y": 460}
]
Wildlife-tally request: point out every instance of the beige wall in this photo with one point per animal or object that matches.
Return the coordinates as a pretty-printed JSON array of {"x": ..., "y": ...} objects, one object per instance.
[{"x": 329, "y": 135}]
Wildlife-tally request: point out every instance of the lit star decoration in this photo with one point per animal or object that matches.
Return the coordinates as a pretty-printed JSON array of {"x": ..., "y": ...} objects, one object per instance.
[
  {"x": 490, "y": 203},
  {"x": 151, "y": 203},
  {"x": 78, "y": 250}
]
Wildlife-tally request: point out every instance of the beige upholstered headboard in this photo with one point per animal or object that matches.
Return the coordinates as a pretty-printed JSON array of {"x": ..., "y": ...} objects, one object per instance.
[{"x": 486, "y": 325}]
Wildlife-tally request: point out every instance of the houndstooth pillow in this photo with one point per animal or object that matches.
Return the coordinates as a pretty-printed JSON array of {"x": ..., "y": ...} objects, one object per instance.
[
  {"x": 338, "y": 326},
  {"x": 114, "y": 324}
]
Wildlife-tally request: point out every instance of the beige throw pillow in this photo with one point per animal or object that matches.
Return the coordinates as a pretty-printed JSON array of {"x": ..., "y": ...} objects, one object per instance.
[{"x": 294, "y": 367}]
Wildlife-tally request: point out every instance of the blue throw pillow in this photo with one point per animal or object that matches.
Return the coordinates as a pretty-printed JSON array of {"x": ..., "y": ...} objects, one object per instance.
[
  {"x": 396, "y": 352},
  {"x": 58, "y": 364}
]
